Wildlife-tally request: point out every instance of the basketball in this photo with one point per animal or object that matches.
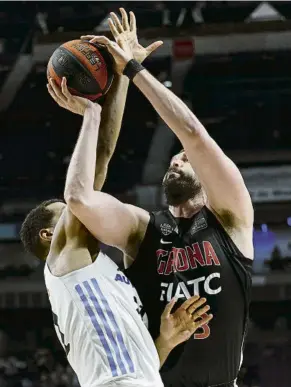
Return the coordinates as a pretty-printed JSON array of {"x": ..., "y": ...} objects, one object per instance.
[{"x": 88, "y": 68}]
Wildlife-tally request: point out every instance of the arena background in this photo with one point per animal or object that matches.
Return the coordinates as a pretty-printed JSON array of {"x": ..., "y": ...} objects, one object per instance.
[{"x": 231, "y": 62}]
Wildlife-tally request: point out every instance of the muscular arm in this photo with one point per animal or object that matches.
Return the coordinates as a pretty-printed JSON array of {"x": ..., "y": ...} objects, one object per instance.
[
  {"x": 111, "y": 120},
  {"x": 109, "y": 220},
  {"x": 69, "y": 229},
  {"x": 219, "y": 176}
]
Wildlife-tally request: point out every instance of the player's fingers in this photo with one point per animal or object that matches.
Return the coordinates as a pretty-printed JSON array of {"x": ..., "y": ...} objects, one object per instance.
[
  {"x": 168, "y": 308},
  {"x": 101, "y": 40},
  {"x": 195, "y": 305},
  {"x": 113, "y": 29},
  {"x": 132, "y": 21},
  {"x": 186, "y": 304},
  {"x": 57, "y": 90},
  {"x": 53, "y": 95},
  {"x": 87, "y": 37},
  {"x": 203, "y": 321},
  {"x": 200, "y": 312},
  {"x": 125, "y": 23},
  {"x": 152, "y": 47},
  {"x": 65, "y": 90},
  {"x": 116, "y": 21}
]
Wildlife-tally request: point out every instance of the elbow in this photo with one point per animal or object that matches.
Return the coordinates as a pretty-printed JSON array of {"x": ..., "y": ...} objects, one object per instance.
[
  {"x": 191, "y": 130},
  {"x": 105, "y": 151},
  {"x": 196, "y": 135},
  {"x": 75, "y": 201}
]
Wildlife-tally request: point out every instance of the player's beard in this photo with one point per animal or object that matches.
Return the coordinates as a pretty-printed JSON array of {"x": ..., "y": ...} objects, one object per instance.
[{"x": 181, "y": 188}]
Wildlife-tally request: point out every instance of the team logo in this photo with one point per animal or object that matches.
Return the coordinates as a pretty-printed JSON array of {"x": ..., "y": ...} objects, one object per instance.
[
  {"x": 90, "y": 55},
  {"x": 166, "y": 229},
  {"x": 199, "y": 224}
]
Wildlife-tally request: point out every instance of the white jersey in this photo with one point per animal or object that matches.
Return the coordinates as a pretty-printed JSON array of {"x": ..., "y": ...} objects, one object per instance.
[{"x": 97, "y": 320}]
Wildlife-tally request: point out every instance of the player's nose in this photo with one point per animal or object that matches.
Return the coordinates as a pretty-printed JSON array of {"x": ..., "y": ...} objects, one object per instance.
[{"x": 177, "y": 163}]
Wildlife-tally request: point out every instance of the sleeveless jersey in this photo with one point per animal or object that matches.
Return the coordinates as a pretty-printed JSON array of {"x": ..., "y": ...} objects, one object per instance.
[
  {"x": 185, "y": 257},
  {"x": 96, "y": 313}
]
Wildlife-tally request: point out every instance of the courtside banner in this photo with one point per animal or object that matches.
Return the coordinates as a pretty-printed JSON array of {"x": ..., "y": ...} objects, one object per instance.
[{"x": 268, "y": 184}]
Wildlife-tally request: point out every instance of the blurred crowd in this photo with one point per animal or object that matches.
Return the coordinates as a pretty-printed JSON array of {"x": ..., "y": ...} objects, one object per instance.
[{"x": 41, "y": 367}]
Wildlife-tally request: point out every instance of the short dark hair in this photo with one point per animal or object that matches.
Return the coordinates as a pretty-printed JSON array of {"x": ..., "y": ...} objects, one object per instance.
[{"x": 38, "y": 218}]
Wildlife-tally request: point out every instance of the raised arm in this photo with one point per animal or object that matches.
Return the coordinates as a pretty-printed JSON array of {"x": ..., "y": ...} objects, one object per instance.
[
  {"x": 109, "y": 220},
  {"x": 87, "y": 172},
  {"x": 218, "y": 175},
  {"x": 220, "y": 178}
]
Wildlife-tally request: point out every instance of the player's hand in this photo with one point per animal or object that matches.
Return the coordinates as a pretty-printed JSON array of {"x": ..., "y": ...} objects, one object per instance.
[
  {"x": 125, "y": 35},
  {"x": 65, "y": 99},
  {"x": 122, "y": 54},
  {"x": 179, "y": 326}
]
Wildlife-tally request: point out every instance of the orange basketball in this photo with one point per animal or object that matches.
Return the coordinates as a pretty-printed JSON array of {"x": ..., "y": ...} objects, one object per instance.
[{"x": 88, "y": 68}]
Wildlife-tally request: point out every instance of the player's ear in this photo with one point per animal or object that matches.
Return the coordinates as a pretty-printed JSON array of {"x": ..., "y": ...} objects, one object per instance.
[{"x": 46, "y": 234}]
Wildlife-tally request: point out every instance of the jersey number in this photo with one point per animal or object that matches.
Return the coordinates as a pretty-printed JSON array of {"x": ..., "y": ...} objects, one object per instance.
[
  {"x": 205, "y": 332},
  {"x": 140, "y": 309},
  {"x": 62, "y": 336}
]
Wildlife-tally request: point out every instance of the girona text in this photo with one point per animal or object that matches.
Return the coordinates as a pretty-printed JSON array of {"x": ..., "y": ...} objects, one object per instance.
[{"x": 180, "y": 259}]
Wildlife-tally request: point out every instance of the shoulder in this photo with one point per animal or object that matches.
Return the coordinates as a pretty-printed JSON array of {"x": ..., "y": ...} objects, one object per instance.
[{"x": 72, "y": 246}]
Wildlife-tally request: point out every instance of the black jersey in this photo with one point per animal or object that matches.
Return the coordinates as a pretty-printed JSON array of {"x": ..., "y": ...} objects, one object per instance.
[{"x": 183, "y": 257}]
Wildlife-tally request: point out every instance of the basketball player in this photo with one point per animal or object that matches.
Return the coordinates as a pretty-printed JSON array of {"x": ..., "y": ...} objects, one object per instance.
[
  {"x": 96, "y": 311},
  {"x": 202, "y": 244}
]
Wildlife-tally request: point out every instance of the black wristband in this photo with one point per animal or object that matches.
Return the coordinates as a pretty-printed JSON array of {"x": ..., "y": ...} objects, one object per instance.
[{"x": 132, "y": 68}]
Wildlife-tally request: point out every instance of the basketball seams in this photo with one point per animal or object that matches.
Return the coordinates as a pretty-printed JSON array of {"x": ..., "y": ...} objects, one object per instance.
[{"x": 85, "y": 70}]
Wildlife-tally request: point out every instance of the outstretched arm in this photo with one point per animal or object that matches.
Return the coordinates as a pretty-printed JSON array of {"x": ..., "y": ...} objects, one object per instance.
[{"x": 219, "y": 176}]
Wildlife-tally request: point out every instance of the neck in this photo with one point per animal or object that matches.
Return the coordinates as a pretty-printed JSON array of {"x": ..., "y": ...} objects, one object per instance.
[{"x": 189, "y": 208}]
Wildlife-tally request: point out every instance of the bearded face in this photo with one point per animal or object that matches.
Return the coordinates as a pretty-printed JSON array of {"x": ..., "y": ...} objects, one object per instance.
[{"x": 180, "y": 182}]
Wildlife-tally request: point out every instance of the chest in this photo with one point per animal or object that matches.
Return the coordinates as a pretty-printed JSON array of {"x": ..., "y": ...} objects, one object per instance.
[
  {"x": 191, "y": 249},
  {"x": 192, "y": 259}
]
